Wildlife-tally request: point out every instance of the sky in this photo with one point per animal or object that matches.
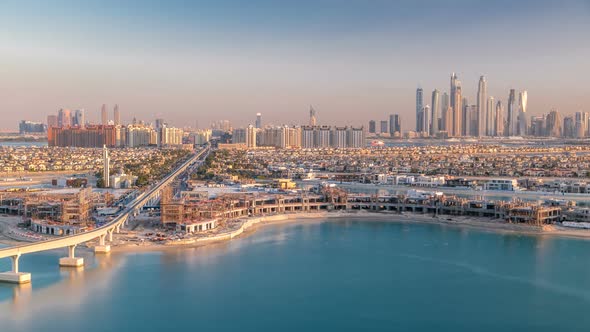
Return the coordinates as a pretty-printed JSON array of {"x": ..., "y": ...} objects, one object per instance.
[{"x": 193, "y": 62}]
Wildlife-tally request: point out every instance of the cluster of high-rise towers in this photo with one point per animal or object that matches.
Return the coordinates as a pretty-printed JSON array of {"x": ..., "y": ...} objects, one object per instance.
[{"x": 450, "y": 114}]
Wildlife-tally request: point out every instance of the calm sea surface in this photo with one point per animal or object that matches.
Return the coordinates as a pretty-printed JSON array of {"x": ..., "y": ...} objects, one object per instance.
[{"x": 346, "y": 275}]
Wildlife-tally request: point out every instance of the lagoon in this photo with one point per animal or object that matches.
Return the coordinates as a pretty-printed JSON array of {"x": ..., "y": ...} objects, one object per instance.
[{"x": 347, "y": 275}]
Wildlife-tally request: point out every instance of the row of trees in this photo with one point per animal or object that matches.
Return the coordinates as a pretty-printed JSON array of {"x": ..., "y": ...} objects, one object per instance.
[{"x": 154, "y": 168}]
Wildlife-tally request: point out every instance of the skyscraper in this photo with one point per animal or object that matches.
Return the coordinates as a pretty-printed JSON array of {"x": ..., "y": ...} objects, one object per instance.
[
  {"x": 103, "y": 115},
  {"x": 51, "y": 121},
  {"x": 397, "y": 123},
  {"x": 465, "y": 118},
  {"x": 581, "y": 124},
  {"x": 482, "y": 88},
  {"x": 554, "y": 124},
  {"x": 419, "y": 109},
  {"x": 312, "y": 116},
  {"x": 470, "y": 123},
  {"x": 569, "y": 130},
  {"x": 383, "y": 127},
  {"x": 372, "y": 127},
  {"x": 426, "y": 119},
  {"x": 258, "y": 120},
  {"x": 116, "y": 115},
  {"x": 106, "y": 172},
  {"x": 490, "y": 117},
  {"x": 444, "y": 106},
  {"x": 522, "y": 107},
  {"x": 391, "y": 124},
  {"x": 251, "y": 137},
  {"x": 448, "y": 121},
  {"x": 435, "y": 112},
  {"x": 537, "y": 128},
  {"x": 499, "y": 122},
  {"x": 456, "y": 103},
  {"x": 512, "y": 118},
  {"x": 64, "y": 118},
  {"x": 79, "y": 118}
]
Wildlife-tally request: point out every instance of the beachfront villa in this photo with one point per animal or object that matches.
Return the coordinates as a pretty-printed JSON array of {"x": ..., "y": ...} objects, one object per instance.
[
  {"x": 502, "y": 184},
  {"x": 197, "y": 226}
]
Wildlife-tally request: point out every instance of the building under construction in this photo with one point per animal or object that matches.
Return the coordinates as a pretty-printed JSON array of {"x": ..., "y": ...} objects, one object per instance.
[
  {"x": 185, "y": 211},
  {"x": 58, "y": 212}
]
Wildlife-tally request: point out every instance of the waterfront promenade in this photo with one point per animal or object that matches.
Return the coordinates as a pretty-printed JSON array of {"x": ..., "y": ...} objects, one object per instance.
[{"x": 104, "y": 233}]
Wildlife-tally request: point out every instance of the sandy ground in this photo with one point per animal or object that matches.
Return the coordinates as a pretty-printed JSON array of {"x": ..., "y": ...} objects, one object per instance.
[{"x": 7, "y": 235}]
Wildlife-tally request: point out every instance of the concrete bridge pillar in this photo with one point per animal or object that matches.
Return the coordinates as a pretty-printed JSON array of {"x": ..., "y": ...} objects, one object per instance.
[
  {"x": 15, "y": 260},
  {"x": 102, "y": 247},
  {"x": 118, "y": 228},
  {"x": 15, "y": 276},
  {"x": 71, "y": 260},
  {"x": 110, "y": 234}
]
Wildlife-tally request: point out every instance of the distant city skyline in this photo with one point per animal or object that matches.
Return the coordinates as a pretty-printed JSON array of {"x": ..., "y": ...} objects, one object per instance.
[{"x": 206, "y": 61}]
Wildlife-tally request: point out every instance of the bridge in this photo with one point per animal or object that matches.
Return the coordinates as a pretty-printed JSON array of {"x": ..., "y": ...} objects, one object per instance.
[{"x": 104, "y": 234}]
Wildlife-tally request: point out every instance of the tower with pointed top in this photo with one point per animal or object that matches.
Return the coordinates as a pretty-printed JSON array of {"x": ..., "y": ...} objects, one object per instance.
[{"x": 457, "y": 109}]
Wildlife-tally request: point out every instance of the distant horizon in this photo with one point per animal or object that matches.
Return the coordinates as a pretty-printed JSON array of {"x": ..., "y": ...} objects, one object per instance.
[{"x": 354, "y": 62}]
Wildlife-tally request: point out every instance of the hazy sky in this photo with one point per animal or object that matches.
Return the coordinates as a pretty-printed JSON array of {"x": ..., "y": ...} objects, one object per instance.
[{"x": 353, "y": 60}]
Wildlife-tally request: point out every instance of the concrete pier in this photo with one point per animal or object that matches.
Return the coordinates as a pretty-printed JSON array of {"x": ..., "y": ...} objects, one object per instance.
[
  {"x": 71, "y": 260},
  {"x": 102, "y": 249},
  {"x": 15, "y": 276}
]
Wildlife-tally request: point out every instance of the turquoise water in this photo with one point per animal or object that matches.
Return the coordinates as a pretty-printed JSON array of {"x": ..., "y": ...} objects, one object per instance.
[{"x": 346, "y": 275}]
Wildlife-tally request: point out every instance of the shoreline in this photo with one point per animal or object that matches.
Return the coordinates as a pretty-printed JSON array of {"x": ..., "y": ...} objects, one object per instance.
[{"x": 251, "y": 225}]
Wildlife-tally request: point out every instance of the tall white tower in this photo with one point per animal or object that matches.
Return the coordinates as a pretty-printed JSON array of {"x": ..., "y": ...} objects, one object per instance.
[
  {"x": 435, "y": 112},
  {"x": 522, "y": 106},
  {"x": 426, "y": 119},
  {"x": 251, "y": 136},
  {"x": 106, "y": 171},
  {"x": 490, "y": 117}
]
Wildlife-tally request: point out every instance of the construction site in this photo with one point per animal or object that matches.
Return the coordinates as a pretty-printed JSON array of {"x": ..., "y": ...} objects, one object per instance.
[
  {"x": 57, "y": 212},
  {"x": 199, "y": 213}
]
